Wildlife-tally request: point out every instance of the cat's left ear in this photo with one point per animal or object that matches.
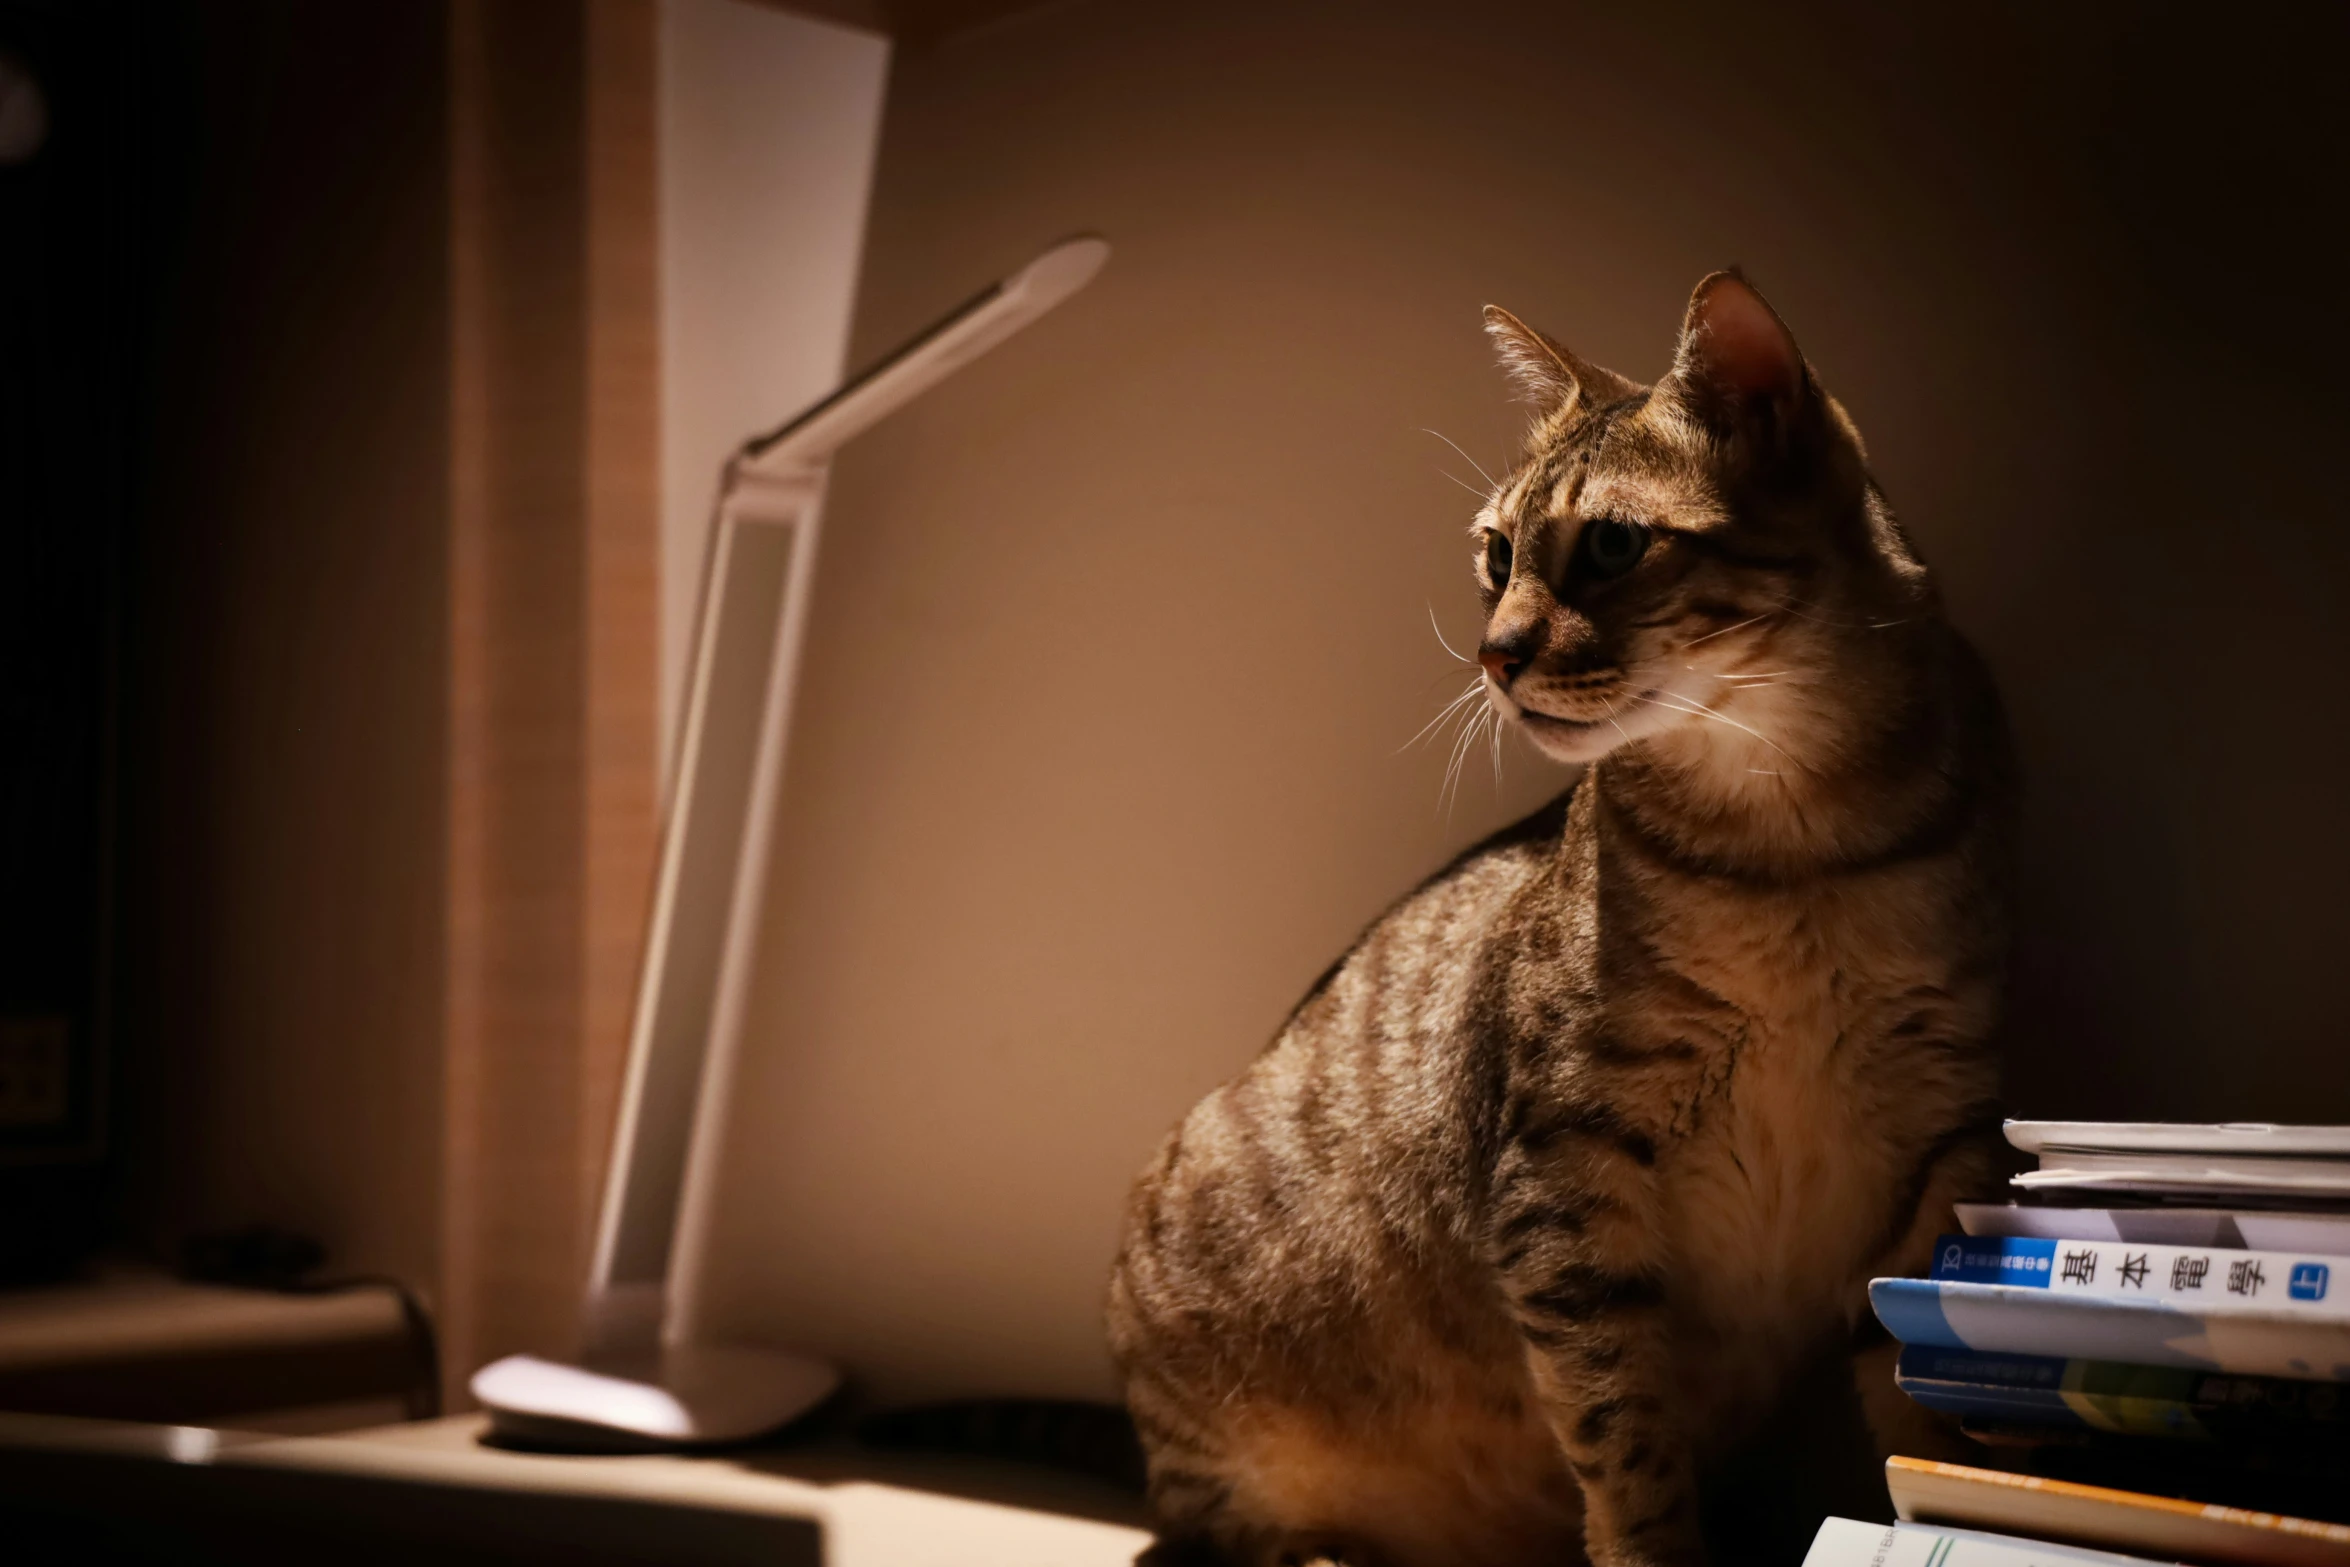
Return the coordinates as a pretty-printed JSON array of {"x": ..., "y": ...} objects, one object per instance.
[
  {"x": 1736, "y": 360},
  {"x": 1547, "y": 375}
]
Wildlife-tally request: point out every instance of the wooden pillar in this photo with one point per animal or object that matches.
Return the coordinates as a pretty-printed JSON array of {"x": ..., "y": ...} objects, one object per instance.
[
  {"x": 554, "y": 643},
  {"x": 624, "y": 551}
]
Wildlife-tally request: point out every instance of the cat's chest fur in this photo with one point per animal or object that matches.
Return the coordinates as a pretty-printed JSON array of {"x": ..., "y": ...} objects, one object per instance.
[{"x": 1801, "y": 1032}]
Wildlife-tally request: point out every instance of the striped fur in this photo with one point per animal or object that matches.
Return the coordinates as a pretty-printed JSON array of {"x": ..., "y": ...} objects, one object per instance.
[{"x": 1546, "y": 1190}]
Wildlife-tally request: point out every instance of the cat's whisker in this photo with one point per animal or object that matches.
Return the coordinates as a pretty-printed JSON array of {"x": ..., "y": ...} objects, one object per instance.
[
  {"x": 1453, "y": 744},
  {"x": 1440, "y": 642},
  {"x": 1700, "y": 710},
  {"x": 1448, "y": 791},
  {"x": 1462, "y": 749},
  {"x": 1477, "y": 728},
  {"x": 1491, "y": 483},
  {"x": 1483, "y": 495},
  {"x": 1454, "y": 714},
  {"x": 1452, "y": 764},
  {"x": 1742, "y": 682},
  {"x": 1789, "y": 607},
  {"x": 1609, "y": 712},
  {"x": 1726, "y": 630},
  {"x": 1830, "y": 620},
  {"x": 1451, "y": 708},
  {"x": 1469, "y": 694}
]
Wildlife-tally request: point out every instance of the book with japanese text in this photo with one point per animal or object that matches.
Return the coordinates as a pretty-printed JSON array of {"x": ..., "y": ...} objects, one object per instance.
[
  {"x": 2018, "y": 1319},
  {"x": 2211, "y": 1278},
  {"x": 2154, "y": 1526},
  {"x": 2110, "y": 1396}
]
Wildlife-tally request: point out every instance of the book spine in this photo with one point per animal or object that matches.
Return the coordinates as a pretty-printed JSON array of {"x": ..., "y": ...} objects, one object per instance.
[
  {"x": 2024, "y": 1389},
  {"x": 1847, "y": 1542},
  {"x": 2198, "y": 1530},
  {"x": 2233, "y": 1229},
  {"x": 2194, "y": 1278},
  {"x": 2104, "y": 1395},
  {"x": 2013, "y": 1319}
]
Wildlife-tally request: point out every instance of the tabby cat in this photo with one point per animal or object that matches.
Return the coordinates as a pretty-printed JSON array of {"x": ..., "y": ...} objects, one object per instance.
[{"x": 1549, "y": 1186}]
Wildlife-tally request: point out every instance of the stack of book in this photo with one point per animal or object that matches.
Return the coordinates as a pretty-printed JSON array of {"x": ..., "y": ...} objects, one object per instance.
[{"x": 2151, "y": 1346}]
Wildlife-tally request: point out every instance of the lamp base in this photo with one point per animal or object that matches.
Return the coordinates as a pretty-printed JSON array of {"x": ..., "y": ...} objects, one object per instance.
[{"x": 686, "y": 1395}]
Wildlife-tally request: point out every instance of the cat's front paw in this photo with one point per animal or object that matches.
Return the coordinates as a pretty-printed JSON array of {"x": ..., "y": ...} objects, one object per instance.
[
  {"x": 1679, "y": 1554},
  {"x": 1668, "y": 1544}
]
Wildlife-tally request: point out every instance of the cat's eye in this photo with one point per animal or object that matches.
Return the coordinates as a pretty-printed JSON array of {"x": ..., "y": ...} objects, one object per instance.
[
  {"x": 1612, "y": 546},
  {"x": 1497, "y": 561}
]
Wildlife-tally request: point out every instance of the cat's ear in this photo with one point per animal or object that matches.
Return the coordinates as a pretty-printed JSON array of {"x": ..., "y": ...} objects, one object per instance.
[
  {"x": 1547, "y": 375},
  {"x": 1736, "y": 357}
]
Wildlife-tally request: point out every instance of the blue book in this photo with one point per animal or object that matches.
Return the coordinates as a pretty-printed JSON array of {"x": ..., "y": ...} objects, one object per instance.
[
  {"x": 2211, "y": 1277},
  {"x": 2105, "y": 1395},
  {"x": 2204, "y": 1309}
]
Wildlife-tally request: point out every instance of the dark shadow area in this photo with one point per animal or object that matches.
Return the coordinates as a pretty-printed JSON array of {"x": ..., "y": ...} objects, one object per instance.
[
  {"x": 1811, "y": 1458},
  {"x": 85, "y": 1508}
]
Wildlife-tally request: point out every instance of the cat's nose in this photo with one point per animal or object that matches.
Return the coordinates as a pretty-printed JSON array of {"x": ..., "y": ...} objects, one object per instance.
[
  {"x": 1509, "y": 645},
  {"x": 1502, "y": 663}
]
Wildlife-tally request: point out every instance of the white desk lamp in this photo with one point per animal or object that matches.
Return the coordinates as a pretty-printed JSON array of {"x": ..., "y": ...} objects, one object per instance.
[{"x": 637, "y": 1387}]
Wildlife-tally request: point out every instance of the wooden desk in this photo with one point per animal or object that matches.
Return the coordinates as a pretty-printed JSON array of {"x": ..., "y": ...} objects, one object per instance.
[
  {"x": 137, "y": 1345},
  {"x": 430, "y": 1491}
]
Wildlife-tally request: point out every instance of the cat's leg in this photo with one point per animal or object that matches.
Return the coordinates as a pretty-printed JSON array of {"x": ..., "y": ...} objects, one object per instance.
[
  {"x": 1201, "y": 1552},
  {"x": 1578, "y": 1240},
  {"x": 1191, "y": 1474},
  {"x": 1166, "y": 1552},
  {"x": 1899, "y": 1424},
  {"x": 1954, "y": 1168}
]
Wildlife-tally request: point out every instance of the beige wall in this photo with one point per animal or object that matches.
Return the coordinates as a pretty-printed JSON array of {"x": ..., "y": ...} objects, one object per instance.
[
  {"x": 1119, "y": 633},
  {"x": 767, "y": 128}
]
